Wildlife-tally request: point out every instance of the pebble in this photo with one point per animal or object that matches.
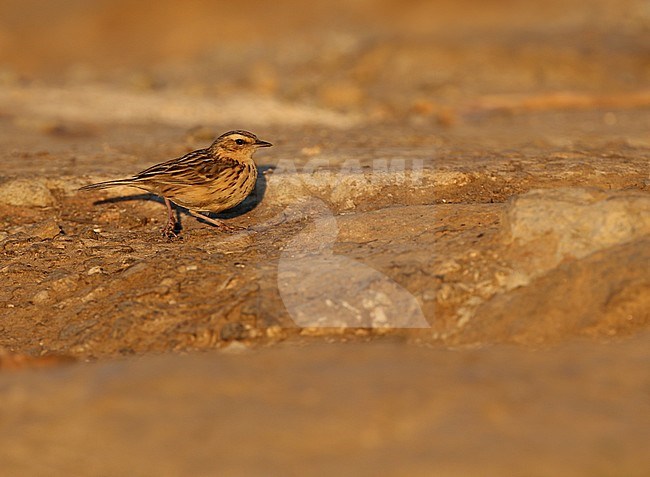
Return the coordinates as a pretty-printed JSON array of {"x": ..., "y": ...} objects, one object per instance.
[
  {"x": 235, "y": 347},
  {"x": 42, "y": 296},
  {"x": 46, "y": 230},
  {"x": 233, "y": 331},
  {"x": 274, "y": 331}
]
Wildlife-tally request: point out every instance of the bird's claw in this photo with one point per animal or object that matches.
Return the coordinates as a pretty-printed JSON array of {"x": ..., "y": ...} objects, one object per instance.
[
  {"x": 230, "y": 228},
  {"x": 169, "y": 231}
]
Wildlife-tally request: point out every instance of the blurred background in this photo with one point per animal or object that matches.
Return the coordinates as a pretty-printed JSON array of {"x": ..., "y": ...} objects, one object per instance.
[{"x": 384, "y": 58}]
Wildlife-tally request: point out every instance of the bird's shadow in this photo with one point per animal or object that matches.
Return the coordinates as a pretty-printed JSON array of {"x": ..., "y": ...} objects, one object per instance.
[{"x": 248, "y": 204}]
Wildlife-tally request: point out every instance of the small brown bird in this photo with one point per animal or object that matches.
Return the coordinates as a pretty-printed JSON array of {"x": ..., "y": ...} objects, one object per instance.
[{"x": 205, "y": 180}]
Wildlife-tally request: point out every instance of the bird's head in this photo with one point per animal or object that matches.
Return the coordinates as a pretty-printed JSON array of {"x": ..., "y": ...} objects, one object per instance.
[{"x": 238, "y": 144}]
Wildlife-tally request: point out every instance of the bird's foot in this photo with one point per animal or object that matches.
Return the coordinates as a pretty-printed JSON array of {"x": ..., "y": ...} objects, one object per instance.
[
  {"x": 170, "y": 230},
  {"x": 220, "y": 224},
  {"x": 229, "y": 228}
]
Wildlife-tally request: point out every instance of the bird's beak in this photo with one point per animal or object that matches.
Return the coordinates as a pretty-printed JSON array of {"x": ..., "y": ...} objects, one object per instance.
[{"x": 259, "y": 143}]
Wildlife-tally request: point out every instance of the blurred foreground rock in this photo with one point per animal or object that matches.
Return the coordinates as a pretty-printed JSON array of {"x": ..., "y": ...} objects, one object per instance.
[{"x": 349, "y": 410}]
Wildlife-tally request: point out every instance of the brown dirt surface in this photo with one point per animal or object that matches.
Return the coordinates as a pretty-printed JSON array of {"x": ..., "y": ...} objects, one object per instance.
[{"x": 458, "y": 200}]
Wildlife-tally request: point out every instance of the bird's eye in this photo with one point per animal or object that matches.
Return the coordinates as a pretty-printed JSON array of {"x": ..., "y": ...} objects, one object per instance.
[{"x": 240, "y": 142}]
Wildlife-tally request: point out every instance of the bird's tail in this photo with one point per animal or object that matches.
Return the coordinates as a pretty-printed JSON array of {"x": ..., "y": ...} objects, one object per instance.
[{"x": 107, "y": 184}]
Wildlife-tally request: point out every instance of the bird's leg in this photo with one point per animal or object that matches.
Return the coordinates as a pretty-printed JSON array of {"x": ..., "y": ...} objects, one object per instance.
[
  {"x": 170, "y": 229},
  {"x": 216, "y": 222}
]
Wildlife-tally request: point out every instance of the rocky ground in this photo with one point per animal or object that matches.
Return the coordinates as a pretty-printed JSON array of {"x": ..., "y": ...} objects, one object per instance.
[{"x": 458, "y": 205}]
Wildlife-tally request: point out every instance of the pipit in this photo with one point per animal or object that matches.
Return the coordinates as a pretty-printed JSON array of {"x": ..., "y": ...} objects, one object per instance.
[{"x": 206, "y": 180}]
